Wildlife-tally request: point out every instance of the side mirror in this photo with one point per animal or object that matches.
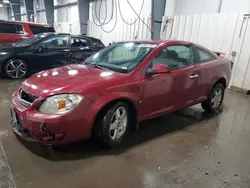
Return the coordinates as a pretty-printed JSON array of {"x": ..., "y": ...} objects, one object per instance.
[
  {"x": 150, "y": 72},
  {"x": 42, "y": 47},
  {"x": 158, "y": 69}
]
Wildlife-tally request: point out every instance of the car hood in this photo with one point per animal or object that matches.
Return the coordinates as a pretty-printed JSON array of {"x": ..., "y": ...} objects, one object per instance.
[
  {"x": 7, "y": 48},
  {"x": 11, "y": 48},
  {"x": 74, "y": 78}
]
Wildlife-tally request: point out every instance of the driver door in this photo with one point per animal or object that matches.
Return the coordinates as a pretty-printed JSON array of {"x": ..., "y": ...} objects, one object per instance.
[
  {"x": 54, "y": 52},
  {"x": 174, "y": 90}
]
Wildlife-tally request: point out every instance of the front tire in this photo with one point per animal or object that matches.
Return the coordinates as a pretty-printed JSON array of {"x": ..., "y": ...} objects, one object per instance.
[
  {"x": 213, "y": 103},
  {"x": 15, "y": 69},
  {"x": 112, "y": 125}
]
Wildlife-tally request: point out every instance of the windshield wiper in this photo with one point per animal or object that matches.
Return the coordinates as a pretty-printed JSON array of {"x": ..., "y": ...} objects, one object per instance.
[{"x": 95, "y": 65}]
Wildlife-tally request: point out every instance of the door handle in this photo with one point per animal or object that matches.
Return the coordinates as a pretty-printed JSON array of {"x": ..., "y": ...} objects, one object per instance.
[
  {"x": 66, "y": 50},
  {"x": 194, "y": 76}
]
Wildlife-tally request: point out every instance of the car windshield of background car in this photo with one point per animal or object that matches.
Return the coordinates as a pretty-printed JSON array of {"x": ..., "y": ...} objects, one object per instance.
[{"x": 30, "y": 41}]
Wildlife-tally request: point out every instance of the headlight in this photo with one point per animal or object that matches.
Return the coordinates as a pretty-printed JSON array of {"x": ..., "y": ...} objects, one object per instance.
[{"x": 60, "y": 104}]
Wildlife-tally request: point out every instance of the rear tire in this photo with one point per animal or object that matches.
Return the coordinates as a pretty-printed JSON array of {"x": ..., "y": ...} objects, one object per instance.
[
  {"x": 15, "y": 69},
  {"x": 112, "y": 125},
  {"x": 213, "y": 103}
]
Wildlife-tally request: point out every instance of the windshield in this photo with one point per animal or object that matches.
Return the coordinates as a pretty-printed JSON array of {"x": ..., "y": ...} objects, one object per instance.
[
  {"x": 31, "y": 40},
  {"x": 121, "y": 57}
]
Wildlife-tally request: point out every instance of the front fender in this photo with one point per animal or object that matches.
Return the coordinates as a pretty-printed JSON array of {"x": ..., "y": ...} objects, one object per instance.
[
  {"x": 131, "y": 97},
  {"x": 102, "y": 101},
  {"x": 2, "y": 61}
]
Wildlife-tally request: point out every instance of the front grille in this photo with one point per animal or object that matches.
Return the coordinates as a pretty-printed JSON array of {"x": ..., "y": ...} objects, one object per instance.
[{"x": 26, "y": 98}]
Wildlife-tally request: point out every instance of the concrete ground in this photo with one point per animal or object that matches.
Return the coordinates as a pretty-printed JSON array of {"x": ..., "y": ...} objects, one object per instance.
[{"x": 189, "y": 149}]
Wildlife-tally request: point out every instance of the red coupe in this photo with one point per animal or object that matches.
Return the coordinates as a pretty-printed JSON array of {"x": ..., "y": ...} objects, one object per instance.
[{"x": 115, "y": 89}]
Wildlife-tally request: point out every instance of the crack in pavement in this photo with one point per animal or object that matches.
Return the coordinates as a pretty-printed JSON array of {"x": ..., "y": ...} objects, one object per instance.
[{"x": 6, "y": 177}]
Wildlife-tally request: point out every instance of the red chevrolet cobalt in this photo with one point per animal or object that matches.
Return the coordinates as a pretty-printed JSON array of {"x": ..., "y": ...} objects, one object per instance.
[{"x": 115, "y": 89}]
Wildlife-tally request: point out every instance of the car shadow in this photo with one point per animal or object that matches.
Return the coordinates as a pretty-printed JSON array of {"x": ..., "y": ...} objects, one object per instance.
[{"x": 148, "y": 130}]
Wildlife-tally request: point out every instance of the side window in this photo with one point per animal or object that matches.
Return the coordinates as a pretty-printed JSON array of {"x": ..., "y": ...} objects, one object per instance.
[
  {"x": 78, "y": 42},
  {"x": 19, "y": 29},
  {"x": 56, "y": 42},
  {"x": 203, "y": 56},
  {"x": 9, "y": 28},
  {"x": 96, "y": 43},
  {"x": 175, "y": 57},
  {"x": 40, "y": 29}
]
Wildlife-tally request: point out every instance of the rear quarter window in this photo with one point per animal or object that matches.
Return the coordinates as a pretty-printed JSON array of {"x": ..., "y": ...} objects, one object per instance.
[
  {"x": 96, "y": 43},
  {"x": 204, "y": 56}
]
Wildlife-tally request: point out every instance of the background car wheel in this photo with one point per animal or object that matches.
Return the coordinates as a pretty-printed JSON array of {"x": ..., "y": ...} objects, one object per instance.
[
  {"x": 112, "y": 124},
  {"x": 15, "y": 69},
  {"x": 213, "y": 103}
]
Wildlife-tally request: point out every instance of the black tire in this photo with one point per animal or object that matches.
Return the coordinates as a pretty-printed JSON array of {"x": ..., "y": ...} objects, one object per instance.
[
  {"x": 207, "y": 105},
  {"x": 18, "y": 72},
  {"x": 103, "y": 124}
]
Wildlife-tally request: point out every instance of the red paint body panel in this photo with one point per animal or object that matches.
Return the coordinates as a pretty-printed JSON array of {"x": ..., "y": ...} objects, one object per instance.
[
  {"x": 151, "y": 96},
  {"x": 7, "y": 38}
]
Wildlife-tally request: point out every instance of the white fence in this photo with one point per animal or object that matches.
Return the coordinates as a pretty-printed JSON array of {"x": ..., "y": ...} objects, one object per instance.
[
  {"x": 218, "y": 32},
  {"x": 122, "y": 31}
]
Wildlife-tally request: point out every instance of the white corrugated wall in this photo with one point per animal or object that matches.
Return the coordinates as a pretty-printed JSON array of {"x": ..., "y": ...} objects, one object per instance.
[{"x": 225, "y": 32}]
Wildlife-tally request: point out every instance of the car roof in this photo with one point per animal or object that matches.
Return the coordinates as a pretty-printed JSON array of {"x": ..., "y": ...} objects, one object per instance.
[
  {"x": 159, "y": 42},
  {"x": 85, "y": 36},
  {"x": 74, "y": 35},
  {"x": 20, "y": 22}
]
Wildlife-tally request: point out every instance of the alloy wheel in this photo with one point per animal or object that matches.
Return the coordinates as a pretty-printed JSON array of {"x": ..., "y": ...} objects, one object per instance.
[
  {"x": 216, "y": 98},
  {"x": 16, "y": 69},
  {"x": 118, "y": 123}
]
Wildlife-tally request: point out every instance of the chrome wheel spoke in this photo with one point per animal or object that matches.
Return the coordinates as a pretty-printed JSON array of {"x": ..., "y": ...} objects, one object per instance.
[
  {"x": 119, "y": 134},
  {"x": 12, "y": 64},
  {"x": 113, "y": 125},
  {"x": 123, "y": 115},
  {"x": 118, "y": 123},
  {"x": 117, "y": 113},
  {"x": 19, "y": 65},
  {"x": 213, "y": 100},
  {"x": 114, "y": 134}
]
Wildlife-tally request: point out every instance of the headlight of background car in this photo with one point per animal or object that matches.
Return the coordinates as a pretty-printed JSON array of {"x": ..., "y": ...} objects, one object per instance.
[{"x": 60, "y": 104}]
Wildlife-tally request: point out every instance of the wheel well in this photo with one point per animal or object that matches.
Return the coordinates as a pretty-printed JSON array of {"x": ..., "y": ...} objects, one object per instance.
[
  {"x": 131, "y": 106},
  {"x": 221, "y": 81}
]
